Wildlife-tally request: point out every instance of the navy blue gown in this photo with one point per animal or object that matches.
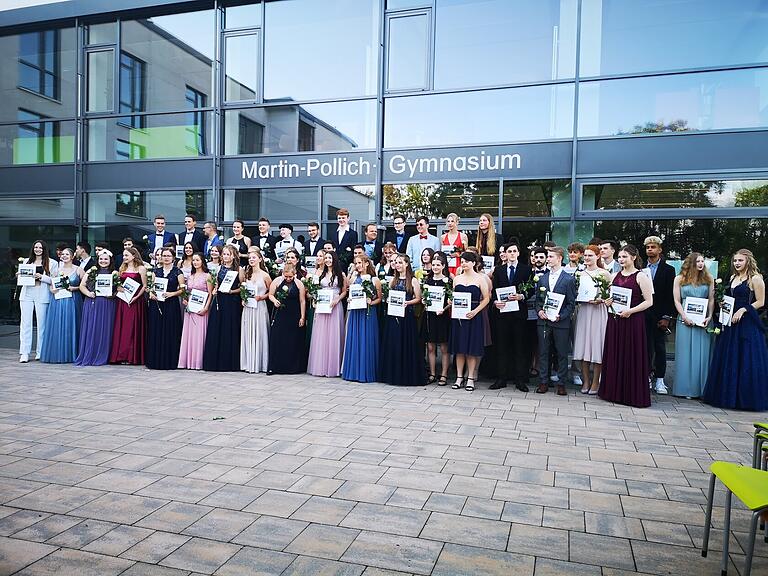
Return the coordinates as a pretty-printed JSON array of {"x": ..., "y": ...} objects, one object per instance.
[
  {"x": 468, "y": 336},
  {"x": 222, "y": 339},
  {"x": 164, "y": 323},
  {"x": 401, "y": 362},
  {"x": 738, "y": 374}
]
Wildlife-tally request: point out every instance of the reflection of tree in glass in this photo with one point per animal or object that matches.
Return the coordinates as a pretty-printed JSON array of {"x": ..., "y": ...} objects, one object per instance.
[
  {"x": 659, "y": 127},
  {"x": 467, "y": 199}
]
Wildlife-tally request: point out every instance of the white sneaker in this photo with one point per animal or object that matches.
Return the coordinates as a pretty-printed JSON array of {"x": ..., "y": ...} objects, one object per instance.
[
  {"x": 24, "y": 358},
  {"x": 554, "y": 378},
  {"x": 661, "y": 387},
  {"x": 577, "y": 380}
]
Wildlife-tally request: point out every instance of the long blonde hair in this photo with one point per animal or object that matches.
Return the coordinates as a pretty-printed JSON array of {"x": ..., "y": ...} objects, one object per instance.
[
  {"x": 407, "y": 277},
  {"x": 690, "y": 274},
  {"x": 490, "y": 237},
  {"x": 137, "y": 261},
  {"x": 248, "y": 268},
  {"x": 751, "y": 269}
]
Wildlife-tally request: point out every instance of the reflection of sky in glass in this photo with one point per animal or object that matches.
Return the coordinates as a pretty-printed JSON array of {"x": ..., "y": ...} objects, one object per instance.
[
  {"x": 355, "y": 121},
  {"x": 706, "y": 101},
  {"x": 320, "y": 49},
  {"x": 491, "y": 42},
  {"x": 195, "y": 29},
  {"x": 490, "y": 116},
  {"x": 620, "y": 36}
]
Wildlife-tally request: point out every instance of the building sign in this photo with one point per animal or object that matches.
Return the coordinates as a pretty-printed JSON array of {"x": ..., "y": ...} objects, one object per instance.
[{"x": 549, "y": 160}]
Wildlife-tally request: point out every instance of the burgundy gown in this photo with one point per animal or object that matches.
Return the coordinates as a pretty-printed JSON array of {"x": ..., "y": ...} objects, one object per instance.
[
  {"x": 624, "y": 379},
  {"x": 130, "y": 329}
]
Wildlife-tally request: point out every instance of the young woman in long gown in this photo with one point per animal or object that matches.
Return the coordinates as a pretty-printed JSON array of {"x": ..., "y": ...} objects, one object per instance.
[
  {"x": 130, "y": 318},
  {"x": 361, "y": 347},
  {"x": 287, "y": 353},
  {"x": 61, "y": 335},
  {"x": 326, "y": 348},
  {"x": 436, "y": 326},
  {"x": 254, "y": 334},
  {"x": 222, "y": 338},
  {"x": 195, "y": 323},
  {"x": 97, "y": 321},
  {"x": 164, "y": 316}
]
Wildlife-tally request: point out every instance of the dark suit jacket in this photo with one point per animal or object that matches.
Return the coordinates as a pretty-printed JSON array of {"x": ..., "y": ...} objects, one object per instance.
[
  {"x": 86, "y": 263},
  {"x": 198, "y": 239},
  {"x": 347, "y": 244},
  {"x": 501, "y": 280},
  {"x": 206, "y": 250},
  {"x": 663, "y": 299},
  {"x": 391, "y": 236},
  {"x": 269, "y": 246},
  {"x": 377, "y": 248},
  {"x": 318, "y": 247},
  {"x": 566, "y": 285},
  {"x": 168, "y": 238}
]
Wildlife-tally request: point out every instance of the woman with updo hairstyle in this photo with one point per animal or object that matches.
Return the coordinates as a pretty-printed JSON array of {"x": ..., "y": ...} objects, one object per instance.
[
  {"x": 287, "y": 350},
  {"x": 62, "y": 333},
  {"x": 222, "y": 338},
  {"x": 436, "y": 326},
  {"x": 692, "y": 342},
  {"x": 130, "y": 317},
  {"x": 164, "y": 319},
  {"x": 624, "y": 378},
  {"x": 737, "y": 374},
  {"x": 98, "y": 319},
  {"x": 254, "y": 334}
]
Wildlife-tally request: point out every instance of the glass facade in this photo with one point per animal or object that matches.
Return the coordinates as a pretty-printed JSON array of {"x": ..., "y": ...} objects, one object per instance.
[{"x": 562, "y": 119}]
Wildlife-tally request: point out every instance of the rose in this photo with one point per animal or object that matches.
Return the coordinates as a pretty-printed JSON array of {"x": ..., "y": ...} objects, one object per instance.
[
  {"x": 349, "y": 249},
  {"x": 285, "y": 288},
  {"x": 536, "y": 277},
  {"x": 718, "y": 281},
  {"x": 22, "y": 260},
  {"x": 445, "y": 280},
  {"x": 542, "y": 289},
  {"x": 144, "y": 237},
  {"x": 365, "y": 277}
]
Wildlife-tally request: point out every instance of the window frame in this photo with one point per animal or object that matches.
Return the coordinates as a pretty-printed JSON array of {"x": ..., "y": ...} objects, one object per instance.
[
  {"x": 429, "y": 49},
  {"x": 40, "y": 66},
  {"x": 259, "y": 89}
]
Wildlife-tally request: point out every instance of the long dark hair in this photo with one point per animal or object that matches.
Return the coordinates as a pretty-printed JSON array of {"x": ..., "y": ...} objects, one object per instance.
[
  {"x": 444, "y": 259},
  {"x": 337, "y": 276},
  {"x": 407, "y": 277},
  {"x": 44, "y": 257},
  {"x": 634, "y": 252}
]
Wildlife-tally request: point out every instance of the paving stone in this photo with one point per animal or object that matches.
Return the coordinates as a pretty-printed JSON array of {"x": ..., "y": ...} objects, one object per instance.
[
  {"x": 54, "y": 498},
  {"x": 610, "y": 525},
  {"x": 392, "y": 552},
  {"x": 523, "y": 513},
  {"x": 47, "y": 528},
  {"x": 232, "y": 496},
  {"x": 65, "y": 561},
  {"x": 276, "y": 503},
  {"x": 450, "y": 503},
  {"x": 181, "y": 489},
  {"x": 392, "y": 519},
  {"x": 308, "y": 566},
  {"x": 274, "y": 480},
  {"x": 142, "y": 569},
  {"x": 563, "y": 519},
  {"x": 110, "y": 542},
  {"x": 173, "y": 517},
  {"x": 662, "y": 510},
  {"x": 595, "y": 502},
  {"x": 323, "y": 510},
  {"x": 323, "y": 541},
  {"x": 458, "y": 560},
  {"x": 119, "y": 508},
  {"x": 16, "y": 554},
  {"x": 469, "y": 486},
  {"x": 416, "y": 480},
  {"x": 201, "y": 555},
  {"x": 221, "y": 524},
  {"x": 316, "y": 485},
  {"x": 663, "y": 559},
  {"x": 602, "y": 550},
  {"x": 65, "y": 473},
  {"x": 365, "y": 492},
  {"x": 19, "y": 520},
  {"x": 256, "y": 562},
  {"x": 548, "y": 567},
  {"x": 154, "y": 547},
  {"x": 270, "y": 532},
  {"x": 466, "y": 530},
  {"x": 128, "y": 481},
  {"x": 667, "y": 533},
  {"x": 483, "y": 508},
  {"x": 409, "y": 498},
  {"x": 538, "y": 541}
]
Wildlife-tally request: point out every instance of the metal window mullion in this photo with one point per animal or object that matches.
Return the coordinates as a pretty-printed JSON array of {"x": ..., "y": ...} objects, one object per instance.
[
  {"x": 116, "y": 64},
  {"x": 217, "y": 82},
  {"x": 432, "y": 23},
  {"x": 261, "y": 58},
  {"x": 575, "y": 191},
  {"x": 382, "y": 71}
]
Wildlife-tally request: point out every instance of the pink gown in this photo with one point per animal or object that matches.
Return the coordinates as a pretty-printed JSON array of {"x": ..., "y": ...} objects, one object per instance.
[
  {"x": 326, "y": 349},
  {"x": 193, "y": 331}
]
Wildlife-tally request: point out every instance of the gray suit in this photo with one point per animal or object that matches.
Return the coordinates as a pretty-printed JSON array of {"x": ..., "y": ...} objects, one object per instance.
[{"x": 556, "y": 333}]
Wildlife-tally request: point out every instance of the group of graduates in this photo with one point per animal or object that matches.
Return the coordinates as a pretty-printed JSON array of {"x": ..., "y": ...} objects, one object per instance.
[{"x": 396, "y": 310}]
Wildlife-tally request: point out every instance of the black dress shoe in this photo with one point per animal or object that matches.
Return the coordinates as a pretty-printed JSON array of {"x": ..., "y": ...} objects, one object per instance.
[
  {"x": 498, "y": 384},
  {"x": 522, "y": 387}
]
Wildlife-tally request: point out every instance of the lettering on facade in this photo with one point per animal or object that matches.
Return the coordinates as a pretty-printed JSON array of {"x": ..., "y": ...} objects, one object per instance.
[
  {"x": 307, "y": 167},
  {"x": 400, "y": 164}
]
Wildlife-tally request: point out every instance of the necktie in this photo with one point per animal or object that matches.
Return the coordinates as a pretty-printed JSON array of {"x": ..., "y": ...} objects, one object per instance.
[{"x": 511, "y": 273}]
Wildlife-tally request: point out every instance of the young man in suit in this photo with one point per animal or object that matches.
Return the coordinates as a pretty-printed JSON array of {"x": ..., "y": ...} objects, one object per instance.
[
  {"x": 418, "y": 242},
  {"x": 658, "y": 316},
  {"x": 314, "y": 243},
  {"x": 160, "y": 238},
  {"x": 286, "y": 241},
  {"x": 345, "y": 238},
  {"x": 511, "y": 334},
  {"x": 212, "y": 238},
  {"x": 608, "y": 249},
  {"x": 265, "y": 241},
  {"x": 399, "y": 237},
  {"x": 191, "y": 233},
  {"x": 372, "y": 245},
  {"x": 83, "y": 254},
  {"x": 554, "y": 333}
]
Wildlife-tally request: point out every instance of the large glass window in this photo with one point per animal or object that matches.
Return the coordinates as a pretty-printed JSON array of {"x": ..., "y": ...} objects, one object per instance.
[
  {"x": 132, "y": 88},
  {"x": 139, "y": 206},
  {"x": 408, "y": 51},
  {"x": 277, "y": 204},
  {"x": 101, "y": 75},
  {"x": 694, "y": 194},
  {"x": 241, "y": 16},
  {"x": 36, "y": 141},
  {"x": 37, "y": 72},
  {"x": 467, "y": 199},
  {"x": 241, "y": 71},
  {"x": 494, "y": 42},
  {"x": 178, "y": 52},
  {"x": 678, "y": 103},
  {"x": 621, "y": 37},
  {"x": 162, "y": 136},
  {"x": 40, "y": 208},
  {"x": 359, "y": 200},
  {"x": 320, "y": 49},
  {"x": 530, "y": 198},
  {"x": 333, "y": 126},
  {"x": 530, "y": 232},
  {"x": 510, "y": 115},
  {"x": 105, "y": 33}
]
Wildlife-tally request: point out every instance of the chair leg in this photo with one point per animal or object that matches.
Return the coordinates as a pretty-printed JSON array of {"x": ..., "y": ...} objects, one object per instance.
[
  {"x": 726, "y": 532},
  {"x": 708, "y": 524},
  {"x": 755, "y": 451},
  {"x": 751, "y": 543}
]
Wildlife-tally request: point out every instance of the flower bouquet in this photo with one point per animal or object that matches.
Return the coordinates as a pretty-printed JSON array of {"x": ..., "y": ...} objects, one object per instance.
[
  {"x": 64, "y": 279},
  {"x": 603, "y": 288},
  {"x": 311, "y": 285},
  {"x": 272, "y": 268},
  {"x": 281, "y": 296},
  {"x": 526, "y": 288}
]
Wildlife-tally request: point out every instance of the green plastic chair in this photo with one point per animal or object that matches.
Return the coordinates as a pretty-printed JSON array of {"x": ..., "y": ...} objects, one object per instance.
[
  {"x": 750, "y": 485},
  {"x": 760, "y": 437}
]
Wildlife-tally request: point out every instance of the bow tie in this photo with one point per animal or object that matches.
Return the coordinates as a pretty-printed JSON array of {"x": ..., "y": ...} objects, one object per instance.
[
  {"x": 369, "y": 241},
  {"x": 423, "y": 236},
  {"x": 159, "y": 234},
  {"x": 401, "y": 235}
]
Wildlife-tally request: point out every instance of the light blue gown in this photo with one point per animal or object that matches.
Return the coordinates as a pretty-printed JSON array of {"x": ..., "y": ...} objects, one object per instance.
[
  {"x": 61, "y": 336},
  {"x": 693, "y": 347}
]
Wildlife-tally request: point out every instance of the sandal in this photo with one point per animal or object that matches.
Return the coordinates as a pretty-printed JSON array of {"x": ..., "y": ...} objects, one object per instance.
[
  {"x": 458, "y": 384},
  {"x": 470, "y": 387},
  {"x": 431, "y": 379},
  {"x": 443, "y": 381}
]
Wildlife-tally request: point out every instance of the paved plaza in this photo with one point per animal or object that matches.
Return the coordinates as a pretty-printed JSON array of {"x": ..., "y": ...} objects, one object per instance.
[{"x": 121, "y": 470}]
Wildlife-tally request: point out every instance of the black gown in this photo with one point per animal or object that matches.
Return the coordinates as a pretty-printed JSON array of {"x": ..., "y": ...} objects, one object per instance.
[
  {"x": 222, "y": 340},
  {"x": 287, "y": 340},
  {"x": 435, "y": 328},
  {"x": 401, "y": 362},
  {"x": 164, "y": 326}
]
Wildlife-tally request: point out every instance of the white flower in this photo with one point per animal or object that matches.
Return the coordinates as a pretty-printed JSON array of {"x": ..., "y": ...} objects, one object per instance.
[
  {"x": 445, "y": 280},
  {"x": 537, "y": 277},
  {"x": 542, "y": 289},
  {"x": 22, "y": 260},
  {"x": 578, "y": 272},
  {"x": 349, "y": 249},
  {"x": 316, "y": 278},
  {"x": 144, "y": 237},
  {"x": 285, "y": 288},
  {"x": 221, "y": 238},
  {"x": 719, "y": 281},
  {"x": 365, "y": 277}
]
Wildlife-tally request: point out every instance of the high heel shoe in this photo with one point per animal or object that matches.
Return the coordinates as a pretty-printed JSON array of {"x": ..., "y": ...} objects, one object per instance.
[
  {"x": 469, "y": 387},
  {"x": 443, "y": 381},
  {"x": 459, "y": 383},
  {"x": 431, "y": 379}
]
